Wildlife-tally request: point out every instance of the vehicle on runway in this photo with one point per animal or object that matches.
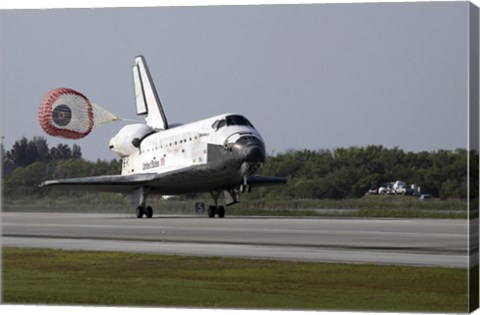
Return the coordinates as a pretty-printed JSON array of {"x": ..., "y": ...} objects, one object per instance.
[{"x": 220, "y": 155}]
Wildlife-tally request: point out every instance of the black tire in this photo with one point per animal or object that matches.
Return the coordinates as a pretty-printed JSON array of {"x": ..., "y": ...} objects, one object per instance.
[
  {"x": 211, "y": 211},
  {"x": 149, "y": 212},
  {"x": 140, "y": 212},
  {"x": 221, "y": 212}
]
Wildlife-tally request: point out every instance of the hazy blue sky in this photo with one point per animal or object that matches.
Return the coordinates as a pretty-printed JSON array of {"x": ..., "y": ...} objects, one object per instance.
[{"x": 307, "y": 76}]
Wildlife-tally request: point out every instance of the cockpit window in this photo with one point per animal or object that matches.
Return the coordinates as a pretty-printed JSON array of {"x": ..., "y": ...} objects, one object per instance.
[
  {"x": 232, "y": 120},
  {"x": 219, "y": 124},
  {"x": 237, "y": 120}
]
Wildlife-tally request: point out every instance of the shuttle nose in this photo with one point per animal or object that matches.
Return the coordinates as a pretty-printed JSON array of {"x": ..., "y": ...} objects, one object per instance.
[
  {"x": 254, "y": 153},
  {"x": 250, "y": 149}
]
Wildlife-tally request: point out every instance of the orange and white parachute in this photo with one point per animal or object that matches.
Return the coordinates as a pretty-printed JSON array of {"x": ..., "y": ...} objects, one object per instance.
[{"x": 67, "y": 113}]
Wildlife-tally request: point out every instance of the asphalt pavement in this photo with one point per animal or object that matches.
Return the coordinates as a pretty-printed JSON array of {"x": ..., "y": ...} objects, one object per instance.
[{"x": 417, "y": 242}]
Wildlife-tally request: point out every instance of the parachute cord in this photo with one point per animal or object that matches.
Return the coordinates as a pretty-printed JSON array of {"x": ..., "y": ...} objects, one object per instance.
[{"x": 130, "y": 120}]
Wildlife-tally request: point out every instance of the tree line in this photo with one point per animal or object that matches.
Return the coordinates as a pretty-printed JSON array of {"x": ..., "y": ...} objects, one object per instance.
[
  {"x": 312, "y": 174},
  {"x": 351, "y": 172},
  {"x": 30, "y": 162}
]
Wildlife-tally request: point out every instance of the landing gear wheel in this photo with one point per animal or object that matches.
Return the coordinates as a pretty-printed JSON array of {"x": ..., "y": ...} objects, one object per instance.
[
  {"x": 211, "y": 211},
  {"x": 149, "y": 212},
  {"x": 221, "y": 211},
  {"x": 140, "y": 212}
]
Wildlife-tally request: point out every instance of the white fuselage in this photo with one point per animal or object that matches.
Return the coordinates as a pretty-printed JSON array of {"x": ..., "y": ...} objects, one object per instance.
[{"x": 183, "y": 146}]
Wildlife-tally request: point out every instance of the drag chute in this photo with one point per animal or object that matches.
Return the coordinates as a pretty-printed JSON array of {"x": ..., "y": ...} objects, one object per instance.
[{"x": 67, "y": 113}]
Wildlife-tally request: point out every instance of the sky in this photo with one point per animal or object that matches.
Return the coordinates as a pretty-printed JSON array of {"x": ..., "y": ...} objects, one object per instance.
[{"x": 308, "y": 76}]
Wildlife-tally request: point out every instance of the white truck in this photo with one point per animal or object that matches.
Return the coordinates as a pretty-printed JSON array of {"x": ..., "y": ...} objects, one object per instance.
[{"x": 399, "y": 188}]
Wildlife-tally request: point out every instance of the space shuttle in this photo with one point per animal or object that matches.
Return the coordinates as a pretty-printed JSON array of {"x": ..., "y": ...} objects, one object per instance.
[{"x": 220, "y": 155}]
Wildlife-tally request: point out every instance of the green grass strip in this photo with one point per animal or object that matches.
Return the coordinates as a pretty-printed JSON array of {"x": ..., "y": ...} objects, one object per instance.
[
  {"x": 42, "y": 276},
  {"x": 368, "y": 206}
]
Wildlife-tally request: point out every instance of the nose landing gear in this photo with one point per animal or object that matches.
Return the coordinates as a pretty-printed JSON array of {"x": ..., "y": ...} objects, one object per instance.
[{"x": 216, "y": 209}]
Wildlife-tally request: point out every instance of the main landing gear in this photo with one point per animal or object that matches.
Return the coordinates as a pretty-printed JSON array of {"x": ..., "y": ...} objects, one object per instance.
[
  {"x": 141, "y": 211},
  {"x": 140, "y": 195}
]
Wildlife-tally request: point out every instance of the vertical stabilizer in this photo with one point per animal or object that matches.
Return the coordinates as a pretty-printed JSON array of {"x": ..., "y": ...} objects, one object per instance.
[{"x": 146, "y": 96}]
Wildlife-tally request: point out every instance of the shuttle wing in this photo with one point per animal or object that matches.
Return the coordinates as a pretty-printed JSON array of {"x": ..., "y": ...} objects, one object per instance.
[
  {"x": 107, "y": 183},
  {"x": 161, "y": 182},
  {"x": 148, "y": 102}
]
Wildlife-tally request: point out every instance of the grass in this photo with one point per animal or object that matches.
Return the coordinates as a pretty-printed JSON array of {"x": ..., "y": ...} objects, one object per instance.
[
  {"x": 41, "y": 276},
  {"x": 368, "y": 206}
]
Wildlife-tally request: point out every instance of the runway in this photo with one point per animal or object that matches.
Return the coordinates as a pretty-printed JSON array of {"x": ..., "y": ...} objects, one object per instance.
[{"x": 417, "y": 242}]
